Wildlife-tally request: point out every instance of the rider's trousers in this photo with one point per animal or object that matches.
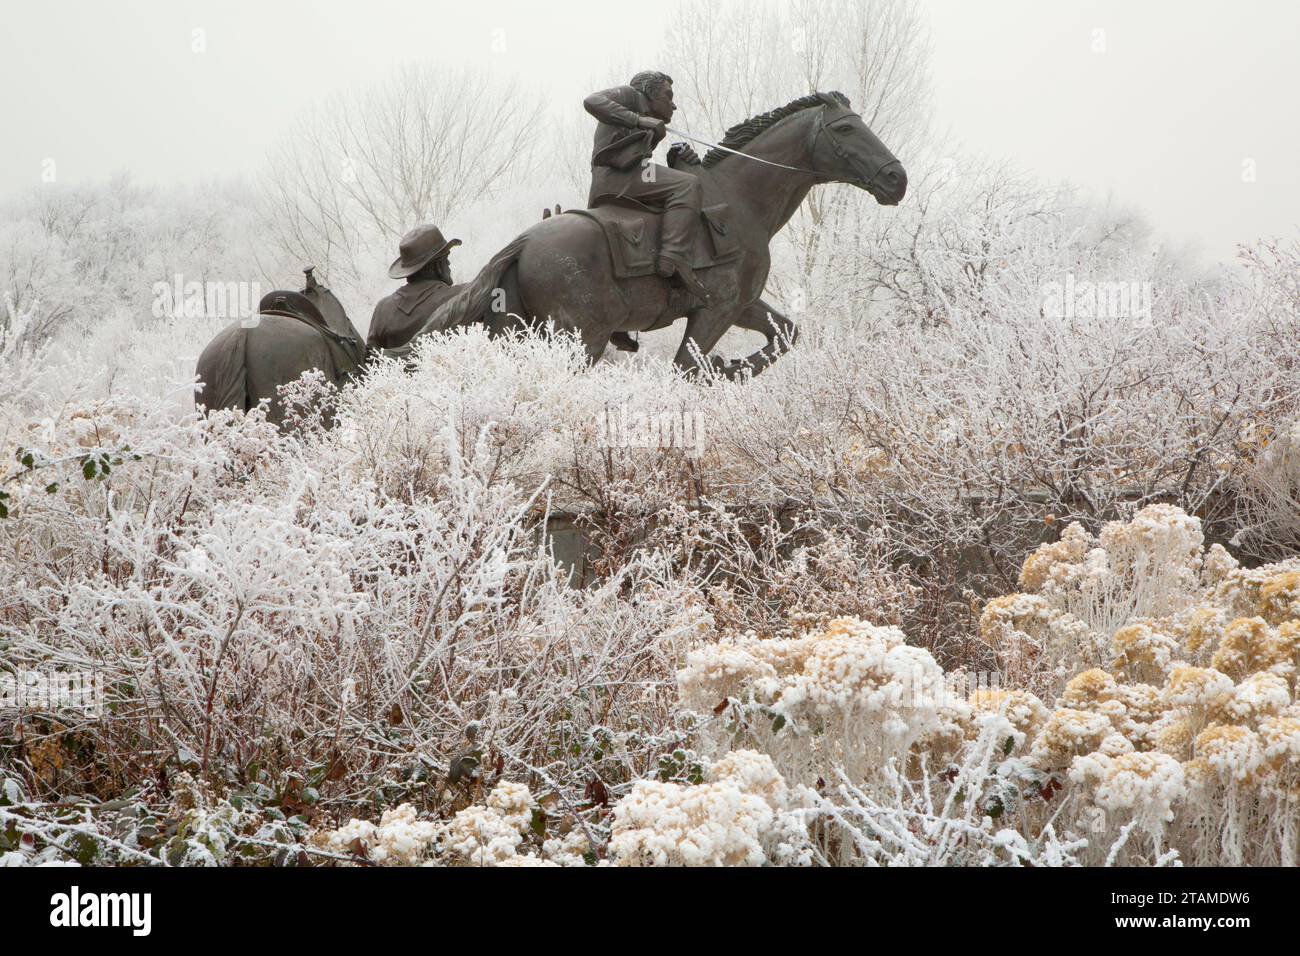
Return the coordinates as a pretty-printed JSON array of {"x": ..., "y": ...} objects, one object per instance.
[{"x": 677, "y": 192}]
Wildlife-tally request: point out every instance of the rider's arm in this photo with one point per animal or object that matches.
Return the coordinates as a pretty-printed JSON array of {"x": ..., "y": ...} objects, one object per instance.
[{"x": 606, "y": 108}]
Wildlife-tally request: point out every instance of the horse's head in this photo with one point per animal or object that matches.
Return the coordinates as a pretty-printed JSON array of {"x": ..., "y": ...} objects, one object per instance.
[{"x": 844, "y": 150}]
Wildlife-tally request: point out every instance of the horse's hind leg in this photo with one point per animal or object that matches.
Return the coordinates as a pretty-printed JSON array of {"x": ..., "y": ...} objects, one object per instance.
[
  {"x": 585, "y": 318},
  {"x": 565, "y": 280}
]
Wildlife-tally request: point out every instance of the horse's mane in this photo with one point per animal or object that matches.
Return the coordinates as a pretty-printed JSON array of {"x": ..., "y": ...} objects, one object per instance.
[{"x": 742, "y": 133}]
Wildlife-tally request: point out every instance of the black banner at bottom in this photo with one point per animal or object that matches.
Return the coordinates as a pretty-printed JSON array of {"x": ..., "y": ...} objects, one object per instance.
[{"x": 140, "y": 906}]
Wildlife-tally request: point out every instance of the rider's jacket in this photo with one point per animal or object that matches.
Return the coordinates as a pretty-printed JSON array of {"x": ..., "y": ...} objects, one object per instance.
[{"x": 620, "y": 143}]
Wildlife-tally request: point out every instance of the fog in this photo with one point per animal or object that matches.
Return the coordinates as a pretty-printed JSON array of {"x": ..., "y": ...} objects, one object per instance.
[{"x": 1185, "y": 109}]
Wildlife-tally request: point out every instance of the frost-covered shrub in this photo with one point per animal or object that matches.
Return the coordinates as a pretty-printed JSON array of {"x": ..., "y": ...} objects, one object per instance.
[
  {"x": 851, "y": 695},
  {"x": 490, "y": 834},
  {"x": 358, "y": 630},
  {"x": 265, "y": 616},
  {"x": 743, "y": 814},
  {"x": 398, "y": 839},
  {"x": 1084, "y": 597},
  {"x": 1173, "y": 740},
  {"x": 1167, "y": 738}
]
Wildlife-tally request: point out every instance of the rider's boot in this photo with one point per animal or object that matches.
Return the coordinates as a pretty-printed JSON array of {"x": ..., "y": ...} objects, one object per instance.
[{"x": 675, "y": 246}]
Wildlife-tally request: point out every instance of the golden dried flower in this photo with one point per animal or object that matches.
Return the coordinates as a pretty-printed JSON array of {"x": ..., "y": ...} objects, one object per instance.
[
  {"x": 1247, "y": 646},
  {"x": 1233, "y": 753},
  {"x": 1142, "y": 653},
  {"x": 1202, "y": 687},
  {"x": 1070, "y": 733},
  {"x": 1085, "y": 691}
]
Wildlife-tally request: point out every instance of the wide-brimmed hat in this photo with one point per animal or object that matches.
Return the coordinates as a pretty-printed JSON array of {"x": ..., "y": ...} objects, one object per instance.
[{"x": 419, "y": 247}]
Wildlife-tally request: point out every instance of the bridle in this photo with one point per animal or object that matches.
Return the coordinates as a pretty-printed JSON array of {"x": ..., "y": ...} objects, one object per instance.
[
  {"x": 841, "y": 152},
  {"x": 836, "y": 148}
]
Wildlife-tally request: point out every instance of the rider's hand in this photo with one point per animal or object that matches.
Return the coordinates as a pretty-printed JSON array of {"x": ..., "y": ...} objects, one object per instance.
[
  {"x": 651, "y": 123},
  {"x": 681, "y": 154}
]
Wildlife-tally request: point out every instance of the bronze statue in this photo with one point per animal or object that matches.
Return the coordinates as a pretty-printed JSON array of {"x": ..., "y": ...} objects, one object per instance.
[
  {"x": 424, "y": 261},
  {"x": 294, "y": 332},
  {"x": 601, "y": 272},
  {"x": 596, "y": 271},
  {"x": 633, "y": 120}
]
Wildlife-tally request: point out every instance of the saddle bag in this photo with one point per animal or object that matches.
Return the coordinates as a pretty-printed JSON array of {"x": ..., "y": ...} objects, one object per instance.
[
  {"x": 724, "y": 243},
  {"x": 632, "y": 232}
]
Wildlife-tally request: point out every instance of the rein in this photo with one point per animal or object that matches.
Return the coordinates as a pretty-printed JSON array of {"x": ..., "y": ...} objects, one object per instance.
[
  {"x": 821, "y": 128},
  {"x": 736, "y": 152}
]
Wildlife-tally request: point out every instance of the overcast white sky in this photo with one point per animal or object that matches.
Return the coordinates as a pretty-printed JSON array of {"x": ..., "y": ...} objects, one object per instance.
[{"x": 1184, "y": 93}]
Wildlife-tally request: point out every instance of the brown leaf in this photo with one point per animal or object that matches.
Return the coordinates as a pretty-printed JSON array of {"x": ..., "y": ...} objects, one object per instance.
[{"x": 338, "y": 768}]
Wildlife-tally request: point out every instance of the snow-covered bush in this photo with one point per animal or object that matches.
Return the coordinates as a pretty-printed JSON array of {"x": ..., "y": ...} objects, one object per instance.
[
  {"x": 852, "y": 695},
  {"x": 1080, "y": 591},
  {"x": 351, "y": 644},
  {"x": 744, "y": 814},
  {"x": 1184, "y": 730}
]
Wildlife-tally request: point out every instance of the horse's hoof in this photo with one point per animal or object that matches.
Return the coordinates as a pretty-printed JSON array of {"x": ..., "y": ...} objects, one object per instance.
[{"x": 733, "y": 370}]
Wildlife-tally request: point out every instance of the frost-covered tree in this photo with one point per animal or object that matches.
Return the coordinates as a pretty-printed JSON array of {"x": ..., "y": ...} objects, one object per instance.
[{"x": 360, "y": 169}]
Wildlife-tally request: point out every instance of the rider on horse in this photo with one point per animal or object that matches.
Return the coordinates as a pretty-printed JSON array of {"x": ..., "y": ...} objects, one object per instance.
[
  {"x": 632, "y": 123},
  {"x": 424, "y": 261}
]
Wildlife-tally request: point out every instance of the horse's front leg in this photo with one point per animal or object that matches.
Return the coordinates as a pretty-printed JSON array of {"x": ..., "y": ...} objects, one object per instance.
[
  {"x": 780, "y": 332},
  {"x": 704, "y": 328}
]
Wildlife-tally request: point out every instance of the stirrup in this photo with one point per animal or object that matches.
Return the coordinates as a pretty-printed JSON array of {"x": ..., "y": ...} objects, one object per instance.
[{"x": 667, "y": 266}]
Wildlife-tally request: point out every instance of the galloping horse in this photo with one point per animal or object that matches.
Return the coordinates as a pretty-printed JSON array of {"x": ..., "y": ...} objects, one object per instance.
[{"x": 562, "y": 269}]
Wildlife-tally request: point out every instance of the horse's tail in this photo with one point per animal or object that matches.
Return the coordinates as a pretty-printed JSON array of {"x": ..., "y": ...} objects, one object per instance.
[
  {"x": 470, "y": 303},
  {"x": 223, "y": 371}
]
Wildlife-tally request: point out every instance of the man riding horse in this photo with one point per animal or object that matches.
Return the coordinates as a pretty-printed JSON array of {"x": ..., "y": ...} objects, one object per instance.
[
  {"x": 588, "y": 273},
  {"x": 424, "y": 261},
  {"x": 592, "y": 273},
  {"x": 632, "y": 123}
]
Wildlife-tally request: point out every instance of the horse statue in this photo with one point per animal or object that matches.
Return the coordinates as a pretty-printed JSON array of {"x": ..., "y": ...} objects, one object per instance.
[
  {"x": 292, "y": 333},
  {"x": 592, "y": 271}
]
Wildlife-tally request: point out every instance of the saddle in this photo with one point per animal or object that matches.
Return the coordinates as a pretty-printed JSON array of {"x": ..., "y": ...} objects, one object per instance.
[
  {"x": 317, "y": 307},
  {"x": 632, "y": 231}
]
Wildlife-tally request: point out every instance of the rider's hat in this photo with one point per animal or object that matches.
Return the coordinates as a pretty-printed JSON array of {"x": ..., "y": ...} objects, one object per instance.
[{"x": 419, "y": 247}]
